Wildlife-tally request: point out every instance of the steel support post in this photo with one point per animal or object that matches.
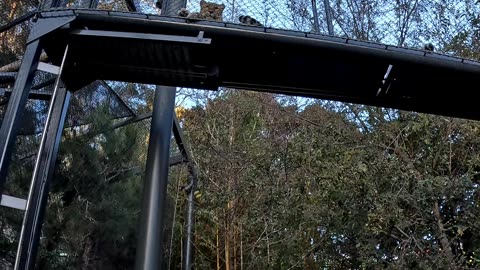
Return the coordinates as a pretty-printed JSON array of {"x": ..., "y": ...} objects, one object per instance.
[
  {"x": 149, "y": 254},
  {"x": 42, "y": 174},
  {"x": 328, "y": 16},
  {"x": 171, "y": 7},
  {"x": 16, "y": 104},
  {"x": 47, "y": 4},
  {"x": 190, "y": 215},
  {"x": 189, "y": 227},
  {"x": 92, "y": 3},
  {"x": 316, "y": 25}
]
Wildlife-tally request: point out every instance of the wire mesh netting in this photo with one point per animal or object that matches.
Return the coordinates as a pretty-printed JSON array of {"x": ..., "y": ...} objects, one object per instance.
[
  {"x": 404, "y": 23},
  {"x": 13, "y": 35},
  {"x": 100, "y": 167},
  {"x": 409, "y": 23},
  {"x": 445, "y": 24}
]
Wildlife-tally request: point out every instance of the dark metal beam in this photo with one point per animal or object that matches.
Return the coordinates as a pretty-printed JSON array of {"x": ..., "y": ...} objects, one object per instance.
[
  {"x": 18, "y": 99},
  {"x": 177, "y": 160},
  {"x": 33, "y": 94},
  {"x": 17, "y": 21},
  {"x": 132, "y": 120},
  {"x": 328, "y": 16},
  {"x": 184, "y": 156},
  {"x": 42, "y": 174},
  {"x": 193, "y": 176},
  {"x": 7, "y": 77},
  {"x": 316, "y": 25},
  {"x": 93, "y": 4},
  {"x": 190, "y": 224},
  {"x": 45, "y": 165},
  {"x": 285, "y": 53},
  {"x": 180, "y": 140},
  {"x": 104, "y": 84},
  {"x": 149, "y": 254},
  {"x": 131, "y": 5},
  {"x": 172, "y": 7}
]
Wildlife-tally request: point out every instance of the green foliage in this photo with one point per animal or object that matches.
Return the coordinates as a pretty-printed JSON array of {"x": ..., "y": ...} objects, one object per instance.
[
  {"x": 310, "y": 190},
  {"x": 285, "y": 183},
  {"x": 94, "y": 199},
  {"x": 283, "y": 186}
]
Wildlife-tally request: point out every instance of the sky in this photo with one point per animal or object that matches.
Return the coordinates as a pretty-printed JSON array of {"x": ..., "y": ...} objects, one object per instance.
[{"x": 275, "y": 13}]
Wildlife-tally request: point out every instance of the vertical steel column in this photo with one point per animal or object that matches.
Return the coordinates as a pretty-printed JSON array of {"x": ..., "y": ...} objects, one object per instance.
[
  {"x": 149, "y": 255},
  {"x": 42, "y": 174},
  {"x": 16, "y": 104},
  {"x": 190, "y": 220},
  {"x": 328, "y": 16},
  {"x": 316, "y": 25},
  {"x": 192, "y": 185},
  {"x": 171, "y": 7},
  {"x": 47, "y": 4},
  {"x": 92, "y": 3}
]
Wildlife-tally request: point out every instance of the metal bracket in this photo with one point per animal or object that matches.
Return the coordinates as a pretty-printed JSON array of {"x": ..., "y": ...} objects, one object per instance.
[
  {"x": 386, "y": 80},
  {"x": 131, "y": 35},
  {"x": 48, "y": 68},
  {"x": 47, "y": 25},
  {"x": 13, "y": 202}
]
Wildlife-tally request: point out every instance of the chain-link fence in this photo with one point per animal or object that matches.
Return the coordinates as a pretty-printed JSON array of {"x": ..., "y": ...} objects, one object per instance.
[
  {"x": 96, "y": 158},
  {"x": 411, "y": 23}
]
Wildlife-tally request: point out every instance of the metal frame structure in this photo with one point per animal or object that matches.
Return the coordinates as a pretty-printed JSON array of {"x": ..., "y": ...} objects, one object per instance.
[
  {"x": 156, "y": 178},
  {"x": 190, "y": 189},
  {"x": 17, "y": 102},
  {"x": 184, "y": 45},
  {"x": 149, "y": 253},
  {"x": 42, "y": 175}
]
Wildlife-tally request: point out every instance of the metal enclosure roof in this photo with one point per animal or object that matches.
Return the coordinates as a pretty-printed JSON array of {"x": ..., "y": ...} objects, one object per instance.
[{"x": 126, "y": 48}]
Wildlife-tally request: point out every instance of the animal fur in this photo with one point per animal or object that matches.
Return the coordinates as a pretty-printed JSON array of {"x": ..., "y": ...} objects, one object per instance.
[
  {"x": 208, "y": 11},
  {"x": 429, "y": 47},
  {"x": 249, "y": 21}
]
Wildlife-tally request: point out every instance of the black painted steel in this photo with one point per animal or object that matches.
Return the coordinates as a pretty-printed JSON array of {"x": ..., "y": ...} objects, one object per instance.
[
  {"x": 149, "y": 255},
  {"x": 299, "y": 63},
  {"x": 316, "y": 25},
  {"x": 193, "y": 177},
  {"x": 42, "y": 174},
  {"x": 150, "y": 252},
  {"x": 328, "y": 16},
  {"x": 19, "y": 20},
  {"x": 190, "y": 223},
  {"x": 34, "y": 94},
  {"x": 16, "y": 105}
]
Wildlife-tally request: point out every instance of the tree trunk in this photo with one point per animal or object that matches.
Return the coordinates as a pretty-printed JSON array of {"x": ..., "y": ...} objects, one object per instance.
[
  {"x": 234, "y": 247},
  {"x": 241, "y": 248},
  {"x": 218, "y": 249},
  {"x": 87, "y": 252},
  {"x": 447, "y": 250},
  {"x": 227, "y": 245}
]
